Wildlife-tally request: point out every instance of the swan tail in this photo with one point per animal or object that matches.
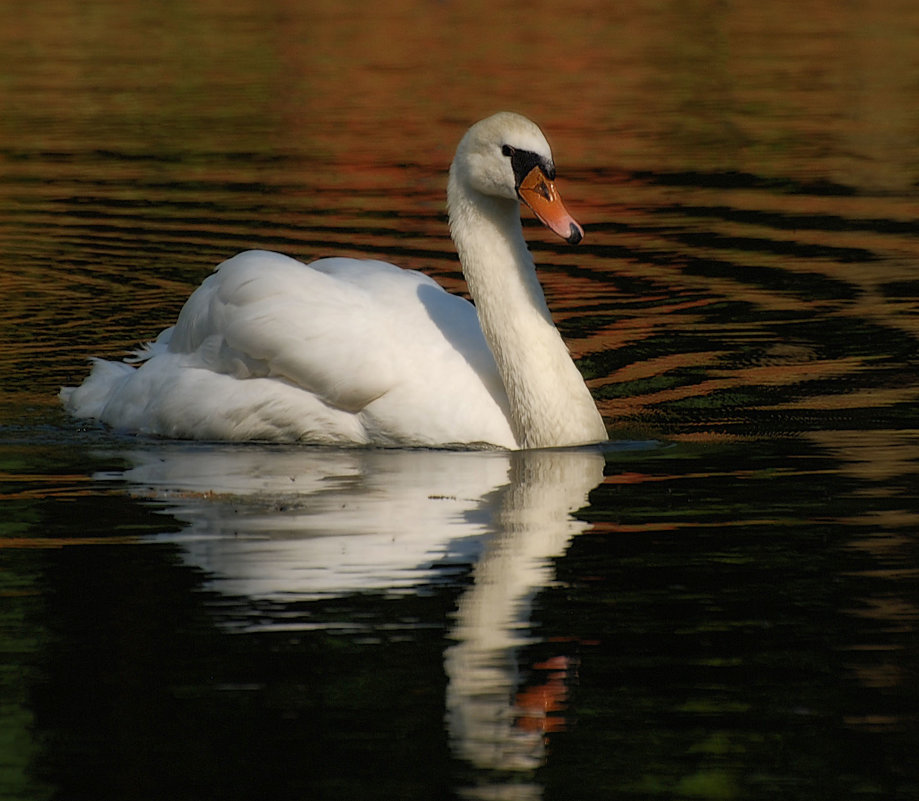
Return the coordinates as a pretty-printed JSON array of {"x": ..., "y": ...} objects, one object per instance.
[
  {"x": 90, "y": 398},
  {"x": 107, "y": 378}
]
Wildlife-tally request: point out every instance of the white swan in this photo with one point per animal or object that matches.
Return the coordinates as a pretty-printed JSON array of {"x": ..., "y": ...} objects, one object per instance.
[{"x": 345, "y": 351}]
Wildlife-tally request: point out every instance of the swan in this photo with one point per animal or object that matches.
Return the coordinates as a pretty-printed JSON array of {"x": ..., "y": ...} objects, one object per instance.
[{"x": 359, "y": 352}]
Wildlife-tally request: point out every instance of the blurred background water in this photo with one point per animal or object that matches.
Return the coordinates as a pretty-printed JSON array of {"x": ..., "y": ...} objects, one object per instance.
[{"x": 722, "y": 603}]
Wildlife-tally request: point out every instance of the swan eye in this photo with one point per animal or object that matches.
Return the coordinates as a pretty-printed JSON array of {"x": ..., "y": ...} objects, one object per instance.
[{"x": 523, "y": 161}]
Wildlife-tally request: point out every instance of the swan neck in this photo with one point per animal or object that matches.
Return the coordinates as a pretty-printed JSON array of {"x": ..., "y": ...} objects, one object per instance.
[{"x": 549, "y": 403}]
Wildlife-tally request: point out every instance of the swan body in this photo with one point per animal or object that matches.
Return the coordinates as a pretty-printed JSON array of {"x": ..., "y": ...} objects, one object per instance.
[{"x": 346, "y": 351}]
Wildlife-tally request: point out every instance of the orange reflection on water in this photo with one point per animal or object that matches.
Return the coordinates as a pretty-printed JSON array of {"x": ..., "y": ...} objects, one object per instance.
[{"x": 762, "y": 157}]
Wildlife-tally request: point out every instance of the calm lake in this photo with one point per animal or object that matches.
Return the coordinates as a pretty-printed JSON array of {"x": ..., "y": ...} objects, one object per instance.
[{"x": 721, "y": 603}]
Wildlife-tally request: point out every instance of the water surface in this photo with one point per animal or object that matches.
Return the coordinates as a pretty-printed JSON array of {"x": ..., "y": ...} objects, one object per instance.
[{"x": 722, "y": 603}]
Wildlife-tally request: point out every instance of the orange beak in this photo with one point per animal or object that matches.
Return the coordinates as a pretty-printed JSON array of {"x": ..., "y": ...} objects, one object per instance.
[{"x": 541, "y": 195}]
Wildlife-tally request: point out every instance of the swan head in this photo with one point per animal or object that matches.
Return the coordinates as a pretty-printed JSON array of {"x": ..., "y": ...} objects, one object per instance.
[{"x": 506, "y": 156}]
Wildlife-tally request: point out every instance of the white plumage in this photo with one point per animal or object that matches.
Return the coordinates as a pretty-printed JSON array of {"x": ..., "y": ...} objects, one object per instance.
[{"x": 344, "y": 351}]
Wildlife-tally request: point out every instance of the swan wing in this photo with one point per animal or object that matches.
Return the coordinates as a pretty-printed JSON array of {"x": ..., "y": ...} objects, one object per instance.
[
  {"x": 349, "y": 331},
  {"x": 266, "y": 315},
  {"x": 339, "y": 350}
]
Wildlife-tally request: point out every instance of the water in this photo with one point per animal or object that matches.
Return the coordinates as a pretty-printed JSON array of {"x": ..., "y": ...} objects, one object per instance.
[{"x": 722, "y": 603}]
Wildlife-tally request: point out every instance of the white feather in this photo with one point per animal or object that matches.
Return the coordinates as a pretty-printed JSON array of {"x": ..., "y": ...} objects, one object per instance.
[{"x": 344, "y": 351}]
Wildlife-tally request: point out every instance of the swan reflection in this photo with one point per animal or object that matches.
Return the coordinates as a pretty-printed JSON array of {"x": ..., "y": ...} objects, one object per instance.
[
  {"x": 532, "y": 523},
  {"x": 293, "y": 523}
]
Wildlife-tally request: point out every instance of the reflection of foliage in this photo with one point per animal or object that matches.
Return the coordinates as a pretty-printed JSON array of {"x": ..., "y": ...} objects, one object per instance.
[
  {"x": 712, "y": 609},
  {"x": 22, "y": 518},
  {"x": 21, "y": 635}
]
